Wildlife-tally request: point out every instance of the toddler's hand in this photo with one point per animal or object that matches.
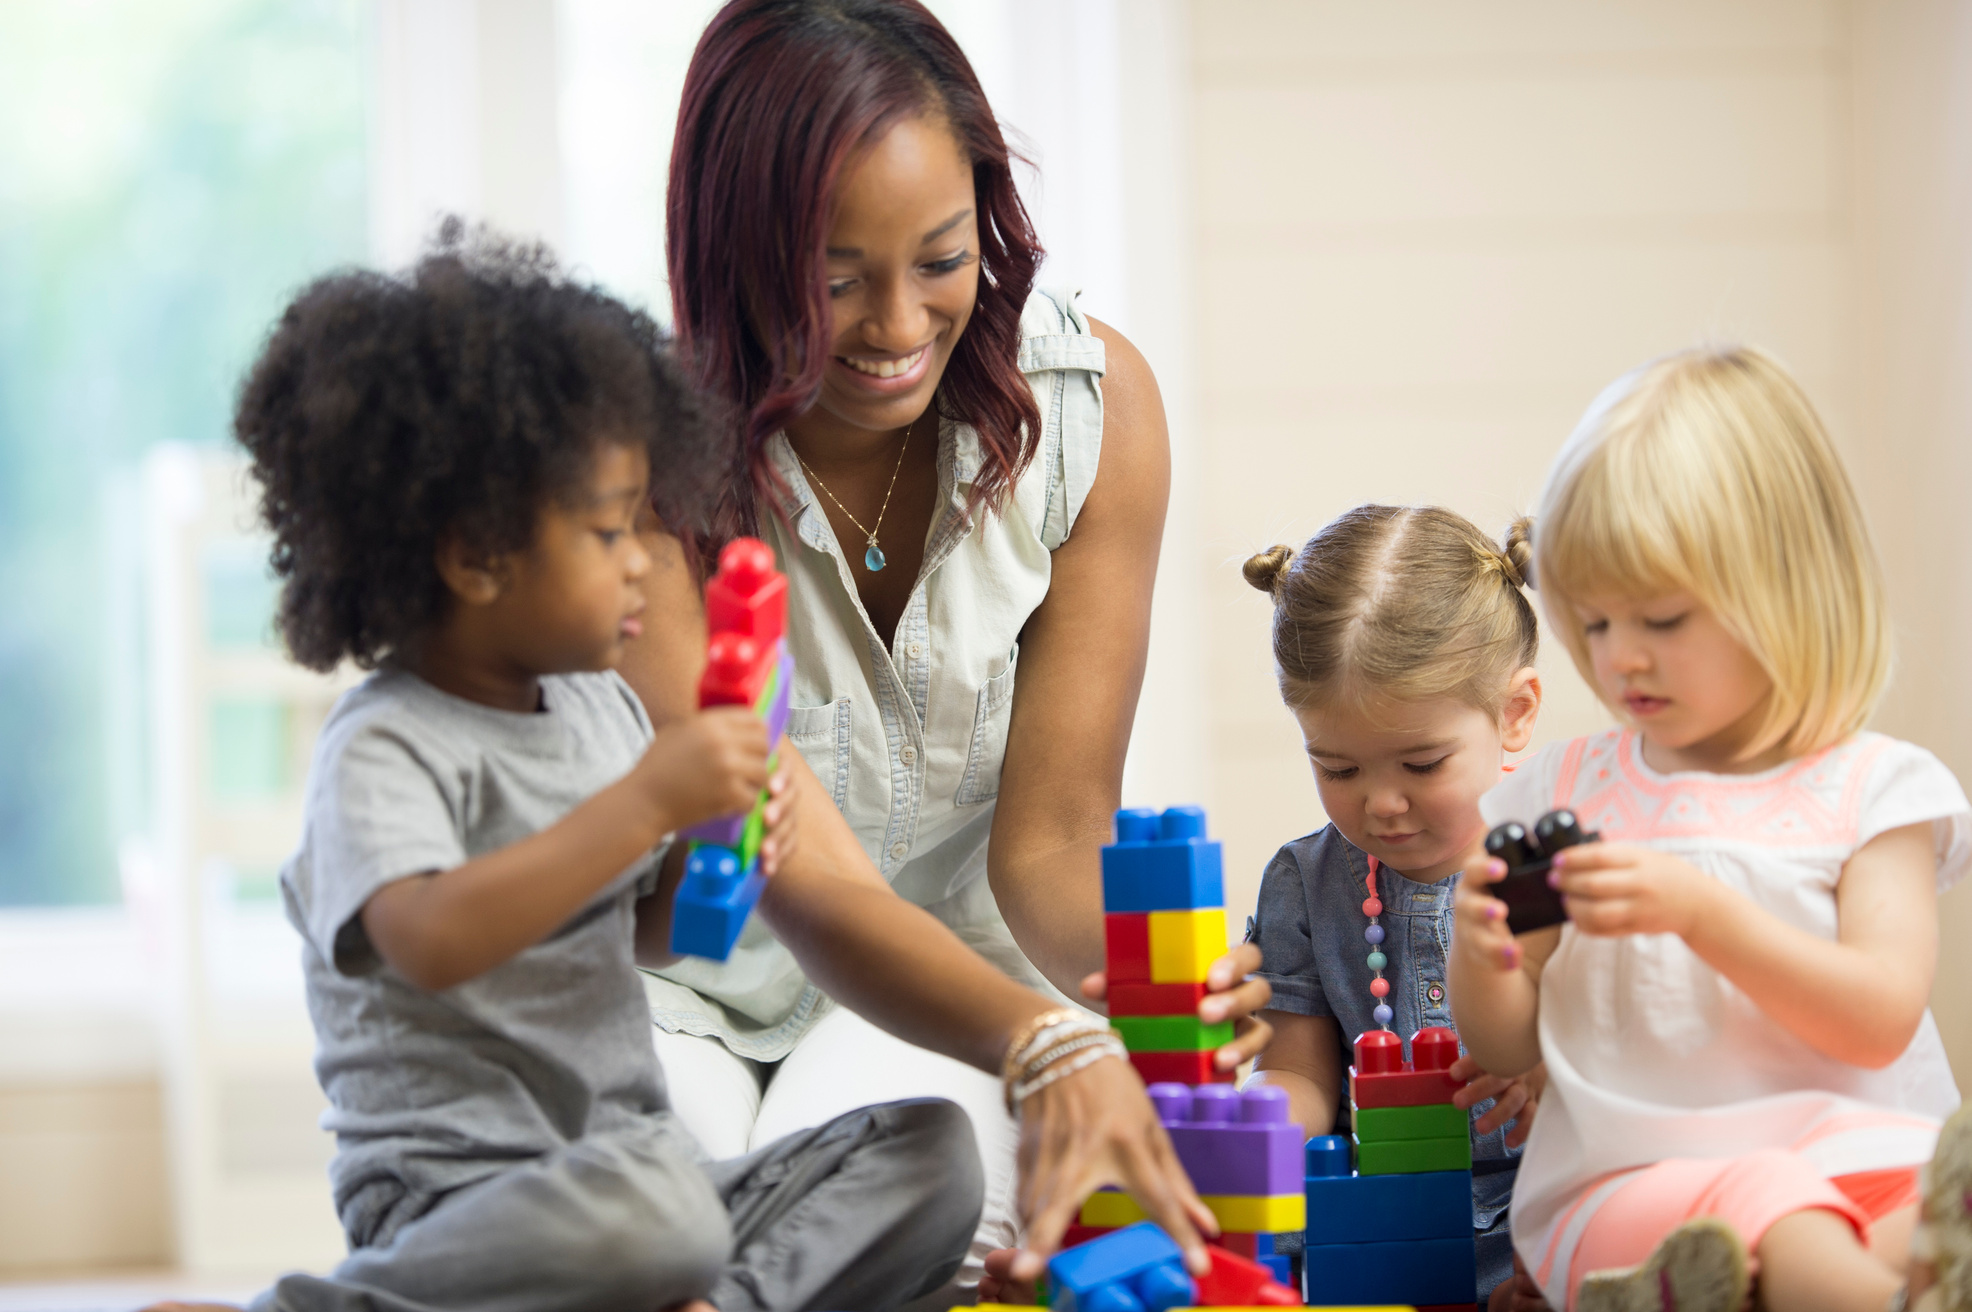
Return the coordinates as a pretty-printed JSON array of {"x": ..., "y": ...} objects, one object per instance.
[
  {"x": 709, "y": 764},
  {"x": 1479, "y": 918},
  {"x": 782, "y": 817},
  {"x": 1614, "y": 888},
  {"x": 1514, "y": 1100}
]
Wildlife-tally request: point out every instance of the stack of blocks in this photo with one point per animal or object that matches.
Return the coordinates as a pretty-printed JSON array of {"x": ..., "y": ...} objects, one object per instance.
[
  {"x": 746, "y": 665},
  {"x": 1243, "y": 1156},
  {"x": 1399, "y": 1229},
  {"x": 1164, "y": 924}
]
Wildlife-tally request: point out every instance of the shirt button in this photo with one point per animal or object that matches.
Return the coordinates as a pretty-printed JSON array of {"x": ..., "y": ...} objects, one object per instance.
[
  {"x": 898, "y": 851},
  {"x": 915, "y": 650},
  {"x": 909, "y": 754}
]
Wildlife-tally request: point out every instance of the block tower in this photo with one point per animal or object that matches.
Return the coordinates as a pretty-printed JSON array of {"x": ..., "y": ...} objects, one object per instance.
[
  {"x": 1398, "y": 1229},
  {"x": 1164, "y": 924},
  {"x": 1243, "y": 1156},
  {"x": 746, "y": 665}
]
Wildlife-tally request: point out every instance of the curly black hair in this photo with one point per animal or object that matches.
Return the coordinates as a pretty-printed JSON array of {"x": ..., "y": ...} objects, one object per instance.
[{"x": 387, "y": 412}]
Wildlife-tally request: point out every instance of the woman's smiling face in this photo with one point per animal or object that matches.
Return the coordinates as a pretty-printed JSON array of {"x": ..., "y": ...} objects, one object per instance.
[{"x": 903, "y": 275}]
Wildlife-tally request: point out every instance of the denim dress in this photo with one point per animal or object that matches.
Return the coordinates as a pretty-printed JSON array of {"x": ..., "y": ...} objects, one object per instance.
[{"x": 1309, "y": 926}]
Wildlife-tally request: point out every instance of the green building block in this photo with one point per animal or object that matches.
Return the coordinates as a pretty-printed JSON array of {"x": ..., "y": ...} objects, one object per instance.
[
  {"x": 1412, "y": 1156},
  {"x": 1387, "y": 1124},
  {"x": 1171, "y": 1033}
]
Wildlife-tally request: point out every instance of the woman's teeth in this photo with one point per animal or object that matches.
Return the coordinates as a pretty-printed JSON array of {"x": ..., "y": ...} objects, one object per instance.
[{"x": 884, "y": 368}]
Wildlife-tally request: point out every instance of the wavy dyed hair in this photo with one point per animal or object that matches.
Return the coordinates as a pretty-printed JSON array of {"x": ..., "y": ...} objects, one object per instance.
[{"x": 780, "y": 96}]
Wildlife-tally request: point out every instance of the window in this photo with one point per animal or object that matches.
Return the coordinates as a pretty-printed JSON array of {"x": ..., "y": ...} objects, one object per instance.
[{"x": 170, "y": 170}]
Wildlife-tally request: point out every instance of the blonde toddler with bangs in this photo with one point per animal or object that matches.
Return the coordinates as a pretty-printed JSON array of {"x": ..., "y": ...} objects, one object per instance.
[{"x": 1740, "y": 1056}]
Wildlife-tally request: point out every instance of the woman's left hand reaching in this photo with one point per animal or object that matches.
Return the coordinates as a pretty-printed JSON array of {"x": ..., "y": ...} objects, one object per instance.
[{"x": 1234, "y": 993}]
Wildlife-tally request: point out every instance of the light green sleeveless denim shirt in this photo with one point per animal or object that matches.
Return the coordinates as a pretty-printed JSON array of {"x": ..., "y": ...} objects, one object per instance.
[{"x": 908, "y": 740}]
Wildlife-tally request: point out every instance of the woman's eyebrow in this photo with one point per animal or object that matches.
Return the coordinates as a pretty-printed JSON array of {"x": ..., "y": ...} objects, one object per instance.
[{"x": 948, "y": 225}]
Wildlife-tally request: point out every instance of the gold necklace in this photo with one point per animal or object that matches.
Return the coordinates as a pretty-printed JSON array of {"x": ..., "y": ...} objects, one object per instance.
[{"x": 873, "y": 559}]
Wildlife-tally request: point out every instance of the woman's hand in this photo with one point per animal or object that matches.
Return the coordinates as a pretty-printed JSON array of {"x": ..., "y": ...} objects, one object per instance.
[
  {"x": 1615, "y": 888},
  {"x": 1480, "y": 929},
  {"x": 782, "y": 816},
  {"x": 1093, "y": 1128},
  {"x": 1515, "y": 1099},
  {"x": 1233, "y": 993}
]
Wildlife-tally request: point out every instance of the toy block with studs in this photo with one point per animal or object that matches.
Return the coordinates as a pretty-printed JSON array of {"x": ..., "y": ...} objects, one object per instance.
[
  {"x": 1233, "y": 1142},
  {"x": 1154, "y": 999},
  {"x": 1530, "y": 902},
  {"x": 1137, "y": 1269},
  {"x": 1162, "y": 862},
  {"x": 1171, "y": 1033},
  {"x": 1414, "y": 1271},
  {"x": 1382, "y": 1078},
  {"x": 747, "y": 664}
]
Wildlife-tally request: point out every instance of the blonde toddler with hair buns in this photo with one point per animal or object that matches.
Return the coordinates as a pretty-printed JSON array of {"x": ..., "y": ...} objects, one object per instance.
[
  {"x": 1405, "y": 650},
  {"x": 1741, "y": 1063}
]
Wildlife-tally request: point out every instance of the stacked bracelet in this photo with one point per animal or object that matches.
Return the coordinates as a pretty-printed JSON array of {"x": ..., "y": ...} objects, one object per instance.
[{"x": 1048, "y": 1039}]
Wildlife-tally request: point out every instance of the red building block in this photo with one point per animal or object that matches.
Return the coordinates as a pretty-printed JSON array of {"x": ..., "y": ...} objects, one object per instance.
[
  {"x": 1154, "y": 999},
  {"x": 1236, "y": 1281},
  {"x": 736, "y": 672},
  {"x": 748, "y": 596},
  {"x": 1082, "y": 1234},
  {"x": 1179, "y": 1068},
  {"x": 1126, "y": 947},
  {"x": 1382, "y": 1078}
]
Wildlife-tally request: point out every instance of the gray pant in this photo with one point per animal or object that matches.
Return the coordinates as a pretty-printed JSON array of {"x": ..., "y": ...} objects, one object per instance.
[{"x": 868, "y": 1211}]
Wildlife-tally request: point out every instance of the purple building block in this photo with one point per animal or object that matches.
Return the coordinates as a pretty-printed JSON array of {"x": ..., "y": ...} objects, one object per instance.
[
  {"x": 1232, "y": 1142},
  {"x": 726, "y": 830}
]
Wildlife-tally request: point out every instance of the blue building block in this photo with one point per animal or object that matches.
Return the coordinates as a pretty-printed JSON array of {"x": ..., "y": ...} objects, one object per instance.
[
  {"x": 714, "y": 899},
  {"x": 1136, "y": 1269},
  {"x": 1162, "y": 862},
  {"x": 1360, "y": 1209},
  {"x": 1281, "y": 1265},
  {"x": 1421, "y": 1272}
]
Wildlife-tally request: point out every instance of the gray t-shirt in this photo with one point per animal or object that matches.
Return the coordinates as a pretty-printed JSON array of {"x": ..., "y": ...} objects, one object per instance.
[{"x": 428, "y": 1090}]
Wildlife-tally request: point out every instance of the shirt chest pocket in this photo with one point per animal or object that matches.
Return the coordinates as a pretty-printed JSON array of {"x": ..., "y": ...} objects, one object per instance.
[
  {"x": 821, "y": 735},
  {"x": 981, "y": 781}
]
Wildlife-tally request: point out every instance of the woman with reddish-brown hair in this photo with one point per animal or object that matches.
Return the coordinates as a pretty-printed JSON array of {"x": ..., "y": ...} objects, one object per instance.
[{"x": 961, "y": 476}]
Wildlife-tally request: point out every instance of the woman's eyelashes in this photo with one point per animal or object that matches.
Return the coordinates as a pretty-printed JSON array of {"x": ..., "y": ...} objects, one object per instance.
[{"x": 840, "y": 287}]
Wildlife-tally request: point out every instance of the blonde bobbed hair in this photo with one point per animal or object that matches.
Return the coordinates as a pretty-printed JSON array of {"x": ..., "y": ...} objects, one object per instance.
[
  {"x": 1708, "y": 472},
  {"x": 1406, "y": 602}
]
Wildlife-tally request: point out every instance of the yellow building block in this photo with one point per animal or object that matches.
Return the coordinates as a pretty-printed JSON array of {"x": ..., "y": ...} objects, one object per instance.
[
  {"x": 1184, "y": 944},
  {"x": 1239, "y": 1213}
]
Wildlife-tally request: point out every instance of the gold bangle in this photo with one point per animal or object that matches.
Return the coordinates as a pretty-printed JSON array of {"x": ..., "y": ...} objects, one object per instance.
[{"x": 1027, "y": 1033}]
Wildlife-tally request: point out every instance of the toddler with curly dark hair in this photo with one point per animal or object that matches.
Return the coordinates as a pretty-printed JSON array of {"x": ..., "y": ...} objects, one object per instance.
[{"x": 453, "y": 465}]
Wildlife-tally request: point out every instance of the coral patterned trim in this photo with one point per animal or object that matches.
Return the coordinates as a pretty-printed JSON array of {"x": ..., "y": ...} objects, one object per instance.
[{"x": 1813, "y": 802}]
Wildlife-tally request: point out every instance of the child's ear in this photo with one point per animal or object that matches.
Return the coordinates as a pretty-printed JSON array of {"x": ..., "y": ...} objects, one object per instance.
[
  {"x": 1520, "y": 709},
  {"x": 470, "y": 574}
]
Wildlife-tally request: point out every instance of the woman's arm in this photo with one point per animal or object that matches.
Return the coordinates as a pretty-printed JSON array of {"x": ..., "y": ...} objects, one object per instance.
[
  {"x": 1858, "y": 999},
  {"x": 1081, "y": 666},
  {"x": 1305, "y": 1058},
  {"x": 1494, "y": 976}
]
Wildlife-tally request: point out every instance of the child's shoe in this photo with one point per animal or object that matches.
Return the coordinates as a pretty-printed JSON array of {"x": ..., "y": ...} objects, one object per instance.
[
  {"x": 1944, "y": 1233},
  {"x": 1700, "y": 1267}
]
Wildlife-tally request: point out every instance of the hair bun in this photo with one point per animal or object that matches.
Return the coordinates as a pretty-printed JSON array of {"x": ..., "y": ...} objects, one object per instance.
[
  {"x": 1266, "y": 570},
  {"x": 1518, "y": 553}
]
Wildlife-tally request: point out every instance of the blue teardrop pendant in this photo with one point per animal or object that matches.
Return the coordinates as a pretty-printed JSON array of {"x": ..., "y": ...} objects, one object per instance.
[{"x": 873, "y": 558}]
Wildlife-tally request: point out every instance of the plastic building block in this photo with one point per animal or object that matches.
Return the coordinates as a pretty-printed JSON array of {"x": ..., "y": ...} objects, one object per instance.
[
  {"x": 1232, "y": 1142},
  {"x": 1138, "y": 1269},
  {"x": 713, "y": 901},
  {"x": 1280, "y": 1267},
  {"x": 748, "y": 595},
  {"x": 1170, "y": 1033},
  {"x": 1401, "y": 1156},
  {"x": 1414, "y": 1271},
  {"x": 1236, "y": 1281},
  {"x": 1162, "y": 863},
  {"x": 1184, "y": 944},
  {"x": 1530, "y": 903},
  {"x": 1154, "y": 999},
  {"x": 1126, "y": 947},
  {"x": 1236, "y": 1212},
  {"x": 1180, "y": 1068},
  {"x": 1078, "y": 1233},
  {"x": 736, "y": 671},
  {"x": 1382, "y": 1078},
  {"x": 1439, "y": 1120},
  {"x": 1361, "y": 1209}
]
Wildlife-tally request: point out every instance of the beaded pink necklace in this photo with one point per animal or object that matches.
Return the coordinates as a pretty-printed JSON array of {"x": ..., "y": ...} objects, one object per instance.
[{"x": 1379, "y": 987}]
